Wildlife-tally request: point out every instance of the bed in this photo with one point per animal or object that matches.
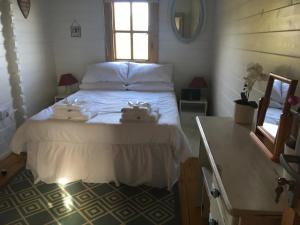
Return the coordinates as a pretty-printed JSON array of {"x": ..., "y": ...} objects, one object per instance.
[{"x": 103, "y": 149}]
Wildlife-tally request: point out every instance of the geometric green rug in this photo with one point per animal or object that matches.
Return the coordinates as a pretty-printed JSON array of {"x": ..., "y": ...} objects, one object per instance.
[{"x": 22, "y": 202}]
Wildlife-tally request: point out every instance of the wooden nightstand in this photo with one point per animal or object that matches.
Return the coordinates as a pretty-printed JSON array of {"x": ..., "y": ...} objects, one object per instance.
[{"x": 59, "y": 97}]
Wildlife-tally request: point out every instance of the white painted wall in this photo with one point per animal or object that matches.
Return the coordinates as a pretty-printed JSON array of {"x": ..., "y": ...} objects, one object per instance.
[
  {"x": 74, "y": 54},
  {"x": 36, "y": 66},
  {"x": 7, "y": 126}
]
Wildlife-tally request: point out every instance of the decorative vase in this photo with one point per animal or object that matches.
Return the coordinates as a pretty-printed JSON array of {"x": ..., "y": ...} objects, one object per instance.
[{"x": 243, "y": 114}]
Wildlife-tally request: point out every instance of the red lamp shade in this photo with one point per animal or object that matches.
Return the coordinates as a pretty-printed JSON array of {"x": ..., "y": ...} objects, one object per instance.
[
  {"x": 198, "y": 82},
  {"x": 67, "y": 80}
]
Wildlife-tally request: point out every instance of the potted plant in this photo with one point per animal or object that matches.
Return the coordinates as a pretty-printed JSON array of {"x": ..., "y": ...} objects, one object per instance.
[{"x": 244, "y": 109}]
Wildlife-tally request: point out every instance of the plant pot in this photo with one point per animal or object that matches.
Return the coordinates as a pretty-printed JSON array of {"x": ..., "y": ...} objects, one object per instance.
[{"x": 243, "y": 114}]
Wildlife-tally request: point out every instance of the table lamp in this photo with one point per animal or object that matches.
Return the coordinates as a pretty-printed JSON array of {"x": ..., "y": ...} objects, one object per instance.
[{"x": 67, "y": 80}]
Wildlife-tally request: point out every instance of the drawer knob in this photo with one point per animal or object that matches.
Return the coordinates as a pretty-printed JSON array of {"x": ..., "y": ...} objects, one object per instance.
[
  {"x": 213, "y": 222},
  {"x": 215, "y": 193}
]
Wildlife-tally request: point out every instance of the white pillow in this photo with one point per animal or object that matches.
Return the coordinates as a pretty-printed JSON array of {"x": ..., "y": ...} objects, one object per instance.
[
  {"x": 106, "y": 72},
  {"x": 103, "y": 86},
  {"x": 149, "y": 72},
  {"x": 151, "y": 86}
]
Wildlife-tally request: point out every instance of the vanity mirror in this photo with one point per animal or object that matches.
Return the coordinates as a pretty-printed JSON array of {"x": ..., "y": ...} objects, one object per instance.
[
  {"x": 187, "y": 18},
  {"x": 274, "y": 118}
]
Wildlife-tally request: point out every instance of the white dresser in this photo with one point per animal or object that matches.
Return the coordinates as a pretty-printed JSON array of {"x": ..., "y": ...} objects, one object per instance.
[{"x": 238, "y": 180}]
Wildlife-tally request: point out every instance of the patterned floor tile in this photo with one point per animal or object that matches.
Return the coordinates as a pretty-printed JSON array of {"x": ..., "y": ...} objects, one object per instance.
[
  {"x": 44, "y": 188},
  {"x": 9, "y": 216},
  {"x": 94, "y": 210},
  {"x": 141, "y": 220},
  {"x": 28, "y": 194},
  {"x": 169, "y": 200},
  {"x": 102, "y": 189},
  {"x": 158, "y": 214},
  {"x": 40, "y": 218},
  {"x": 113, "y": 199},
  {"x": 56, "y": 196},
  {"x": 174, "y": 221},
  {"x": 6, "y": 204},
  {"x": 75, "y": 188},
  {"x": 28, "y": 174},
  {"x": 19, "y": 178},
  {"x": 84, "y": 198},
  {"x": 143, "y": 200},
  {"x": 130, "y": 191},
  {"x": 106, "y": 220},
  {"x": 159, "y": 192},
  {"x": 18, "y": 222},
  {"x": 145, "y": 187},
  {"x": 91, "y": 185},
  {"x": 73, "y": 219},
  {"x": 23, "y": 202},
  {"x": 126, "y": 212},
  {"x": 21, "y": 186},
  {"x": 32, "y": 207},
  {"x": 62, "y": 209},
  {"x": 5, "y": 192}
]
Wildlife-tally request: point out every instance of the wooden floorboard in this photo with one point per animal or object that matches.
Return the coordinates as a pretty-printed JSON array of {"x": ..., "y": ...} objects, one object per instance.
[
  {"x": 189, "y": 191},
  {"x": 12, "y": 164}
]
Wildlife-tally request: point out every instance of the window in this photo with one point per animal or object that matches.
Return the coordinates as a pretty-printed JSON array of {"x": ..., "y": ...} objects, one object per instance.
[{"x": 131, "y": 30}]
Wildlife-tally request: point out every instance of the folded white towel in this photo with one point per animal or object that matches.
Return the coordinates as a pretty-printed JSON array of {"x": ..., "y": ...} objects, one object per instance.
[
  {"x": 136, "y": 110},
  {"x": 67, "y": 107},
  {"x": 76, "y": 116},
  {"x": 153, "y": 116}
]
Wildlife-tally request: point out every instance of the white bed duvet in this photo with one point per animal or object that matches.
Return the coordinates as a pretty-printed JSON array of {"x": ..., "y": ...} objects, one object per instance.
[{"x": 103, "y": 149}]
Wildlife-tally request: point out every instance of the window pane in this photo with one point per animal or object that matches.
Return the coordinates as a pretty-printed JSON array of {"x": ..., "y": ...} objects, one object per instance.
[
  {"x": 123, "y": 46},
  {"x": 140, "y": 16},
  {"x": 140, "y": 46},
  {"x": 122, "y": 15}
]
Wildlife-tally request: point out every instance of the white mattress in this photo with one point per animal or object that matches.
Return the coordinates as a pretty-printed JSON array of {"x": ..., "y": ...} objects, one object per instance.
[{"x": 103, "y": 149}]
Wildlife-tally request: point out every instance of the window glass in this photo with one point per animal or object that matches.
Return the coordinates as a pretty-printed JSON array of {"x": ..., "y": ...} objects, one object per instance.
[
  {"x": 122, "y": 15},
  {"x": 131, "y": 27},
  {"x": 123, "y": 45},
  {"x": 140, "y": 46},
  {"x": 140, "y": 16}
]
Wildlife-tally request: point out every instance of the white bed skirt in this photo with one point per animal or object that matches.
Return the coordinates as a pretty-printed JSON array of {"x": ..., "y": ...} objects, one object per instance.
[{"x": 150, "y": 164}]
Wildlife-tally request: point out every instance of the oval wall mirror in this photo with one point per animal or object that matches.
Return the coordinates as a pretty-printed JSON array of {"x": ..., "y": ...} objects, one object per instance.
[{"x": 187, "y": 18}]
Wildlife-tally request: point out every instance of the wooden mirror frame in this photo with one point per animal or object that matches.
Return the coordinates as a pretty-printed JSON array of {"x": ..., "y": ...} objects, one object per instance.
[
  {"x": 200, "y": 26},
  {"x": 274, "y": 146}
]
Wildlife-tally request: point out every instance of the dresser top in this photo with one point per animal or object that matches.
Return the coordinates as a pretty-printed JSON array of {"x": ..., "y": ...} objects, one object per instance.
[{"x": 246, "y": 177}]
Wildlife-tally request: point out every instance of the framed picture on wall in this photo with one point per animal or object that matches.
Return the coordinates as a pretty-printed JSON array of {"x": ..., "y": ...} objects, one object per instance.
[
  {"x": 75, "y": 29},
  {"x": 24, "y": 6}
]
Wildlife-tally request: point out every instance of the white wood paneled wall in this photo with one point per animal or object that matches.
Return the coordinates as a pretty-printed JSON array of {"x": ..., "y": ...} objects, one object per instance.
[
  {"x": 263, "y": 31},
  {"x": 35, "y": 60},
  {"x": 74, "y": 54},
  {"x": 7, "y": 126}
]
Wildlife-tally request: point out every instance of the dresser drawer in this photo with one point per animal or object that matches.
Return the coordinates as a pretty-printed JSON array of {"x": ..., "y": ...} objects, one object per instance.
[
  {"x": 215, "y": 216},
  {"x": 227, "y": 218},
  {"x": 218, "y": 210}
]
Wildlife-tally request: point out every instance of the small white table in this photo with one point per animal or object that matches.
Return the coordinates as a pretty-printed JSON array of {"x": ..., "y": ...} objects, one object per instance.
[
  {"x": 60, "y": 97},
  {"x": 197, "y": 106}
]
